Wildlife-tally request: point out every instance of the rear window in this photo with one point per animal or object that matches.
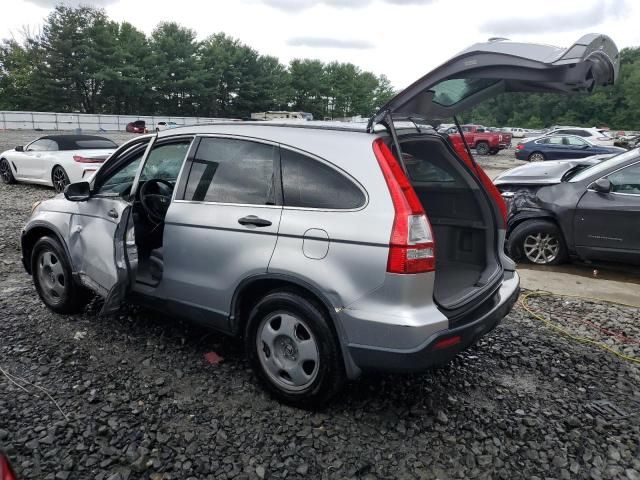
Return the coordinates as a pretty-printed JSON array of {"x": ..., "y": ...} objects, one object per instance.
[
  {"x": 452, "y": 91},
  {"x": 308, "y": 183},
  {"x": 96, "y": 144}
]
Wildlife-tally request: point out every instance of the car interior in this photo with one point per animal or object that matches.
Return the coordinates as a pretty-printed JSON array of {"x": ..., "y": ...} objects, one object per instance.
[{"x": 151, "y": 198}]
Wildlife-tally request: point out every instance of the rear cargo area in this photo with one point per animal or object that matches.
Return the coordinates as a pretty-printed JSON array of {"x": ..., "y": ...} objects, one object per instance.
[{"x": 461, "y": 217}]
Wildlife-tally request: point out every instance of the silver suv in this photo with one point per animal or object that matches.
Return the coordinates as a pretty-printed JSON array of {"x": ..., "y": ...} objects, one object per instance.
[{"x": 331, "y": 250}]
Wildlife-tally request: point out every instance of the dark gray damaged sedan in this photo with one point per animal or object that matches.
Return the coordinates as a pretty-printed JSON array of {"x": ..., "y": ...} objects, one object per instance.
[{"x": 587, "y": 209}]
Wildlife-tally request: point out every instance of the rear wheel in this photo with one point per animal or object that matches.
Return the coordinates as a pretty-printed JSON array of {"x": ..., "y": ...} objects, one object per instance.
[
  {"x": 536, "y": 157},
  {"x": 59, "y": 179},
  {"x": 539, "y": 242},
  {"x": 482, "y": 148},
  {"x": 293, "y": 349},
  {"x": 6, "y": 175},
  {"x": 52, "y": 278}
]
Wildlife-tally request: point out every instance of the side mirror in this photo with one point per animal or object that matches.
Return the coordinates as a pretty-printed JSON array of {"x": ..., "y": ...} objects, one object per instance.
[
  {"x": 77, "y": 192},
  {"x": 19, "y": 148},
  {"x": 602, "y": 185}
]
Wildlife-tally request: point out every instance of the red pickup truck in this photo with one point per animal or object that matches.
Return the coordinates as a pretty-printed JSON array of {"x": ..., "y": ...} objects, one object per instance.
[{"x": 484, "y": 141}]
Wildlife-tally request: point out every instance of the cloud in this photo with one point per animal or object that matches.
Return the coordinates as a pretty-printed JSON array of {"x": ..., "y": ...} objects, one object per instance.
[
  {"x": 557, "y": 20},
  {"x": 298, "y": 5},
  {"x": 72, "y": 3},
  {"x": 327, "y": 42}
]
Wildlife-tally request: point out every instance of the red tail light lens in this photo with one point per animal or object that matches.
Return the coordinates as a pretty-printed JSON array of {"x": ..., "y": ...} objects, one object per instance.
[
  {"x": 411, "y": 247},
  {"x": 6, "y": 472},
  {"x": 519, "y": 146},
  {"x": 81, "y": 159}
]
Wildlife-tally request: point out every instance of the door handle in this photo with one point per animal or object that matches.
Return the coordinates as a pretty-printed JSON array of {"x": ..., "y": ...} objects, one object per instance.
[
  {"x": 253, "y": 220},
  {"x": 113, "y": 213}
]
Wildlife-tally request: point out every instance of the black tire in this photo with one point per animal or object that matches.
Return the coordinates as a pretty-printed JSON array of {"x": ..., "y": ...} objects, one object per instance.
[
  {"x": 59, "y": 178},
  {"x": 330, "y": 375},
  {"x": 494, "y": 152},
  {"x": 482, "y": 148},
  {"x": 527, "y": 231},
  {"x": 536, "y": 157},
  {"x": 70, "y": 297},
  {"x": 6, "y": 175}
]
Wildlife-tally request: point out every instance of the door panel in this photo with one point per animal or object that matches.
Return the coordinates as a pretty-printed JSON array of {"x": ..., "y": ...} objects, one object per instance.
[
  {"x": 223, "y": 226},
  {"x": 207, "y": 252},
  {"x": 606, "y": 227},
  {"x": 97, "y": 237}
]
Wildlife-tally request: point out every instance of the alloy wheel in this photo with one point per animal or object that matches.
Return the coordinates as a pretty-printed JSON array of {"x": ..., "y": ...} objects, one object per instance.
[
  {"x": 60, "y": 180},
  {"x": 5, "y": 171},
  {"x": 51, "y": 276},
  {"x": 288, "y": 351},
  {"x": 536, "y": 157},
  {"x": 541, "y": 248}
]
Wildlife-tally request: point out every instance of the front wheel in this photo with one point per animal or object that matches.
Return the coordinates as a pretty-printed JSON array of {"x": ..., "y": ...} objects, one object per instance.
[
  {"x": 537, "y": 241},
  {"x": 59, "y": 178},
  {"x": 293, "y": 349},
  {"x": 52, "y": 278},
  {"x": 482, "y": 148},
  {"x": 6, "y": 175}
]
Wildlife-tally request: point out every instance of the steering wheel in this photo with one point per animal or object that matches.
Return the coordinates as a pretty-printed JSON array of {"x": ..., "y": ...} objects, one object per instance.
[{"x": 155, "y": 197}]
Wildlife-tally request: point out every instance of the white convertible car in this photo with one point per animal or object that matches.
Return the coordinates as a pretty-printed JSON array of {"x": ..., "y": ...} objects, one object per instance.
[{"x": 55, "y": 160}]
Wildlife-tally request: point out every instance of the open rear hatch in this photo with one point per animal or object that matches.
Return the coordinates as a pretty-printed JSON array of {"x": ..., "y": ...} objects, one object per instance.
[{"x": 465, "y": 220}]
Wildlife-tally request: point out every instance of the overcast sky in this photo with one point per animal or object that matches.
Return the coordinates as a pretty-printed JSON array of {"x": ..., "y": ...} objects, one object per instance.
[{"x": 401, "y": 38}]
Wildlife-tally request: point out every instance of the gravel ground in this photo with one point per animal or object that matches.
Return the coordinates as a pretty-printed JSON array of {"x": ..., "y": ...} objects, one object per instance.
[{"x": 140, "y": 401}]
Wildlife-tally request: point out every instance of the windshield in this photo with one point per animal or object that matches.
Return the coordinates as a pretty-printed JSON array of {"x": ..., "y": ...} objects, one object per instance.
[{"x": 604, "y": 166}]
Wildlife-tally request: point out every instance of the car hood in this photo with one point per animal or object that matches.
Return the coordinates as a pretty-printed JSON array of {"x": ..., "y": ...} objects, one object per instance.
[
  {"x": 544, "y": 173},
  {"x": 485, "y": 70}
]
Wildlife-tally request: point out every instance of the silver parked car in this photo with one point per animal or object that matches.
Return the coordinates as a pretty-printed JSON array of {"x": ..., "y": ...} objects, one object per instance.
[{"x": 330, "y": 250}]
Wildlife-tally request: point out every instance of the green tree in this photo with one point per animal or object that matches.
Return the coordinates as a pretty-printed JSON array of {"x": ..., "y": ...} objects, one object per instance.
[{"x": 172, "y": 63}]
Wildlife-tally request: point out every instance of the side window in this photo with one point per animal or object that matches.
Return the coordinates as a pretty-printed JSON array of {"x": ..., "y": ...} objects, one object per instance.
[
  {"x": 626, "y": 180},
  {"x": 121, "y": 180},
  {"x": 309, "y": 183},
  {"x": 556, "y": 140},
  {"x": 542, "y": 141},
  {"x": 165, "y": 161},
  {"x": 39, "y": 146},
  {"x": 575, "y": 141},
  {"x": 232, "y": 171},
  {"x": 581, "y": 133}
]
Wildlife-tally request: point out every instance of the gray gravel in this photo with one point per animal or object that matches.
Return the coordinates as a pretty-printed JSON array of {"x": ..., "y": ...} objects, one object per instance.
[{"x": 141, "y": 401}]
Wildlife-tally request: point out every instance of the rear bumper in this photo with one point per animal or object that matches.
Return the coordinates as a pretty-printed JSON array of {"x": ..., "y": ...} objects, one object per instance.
[{"x": 443, "y": 345}]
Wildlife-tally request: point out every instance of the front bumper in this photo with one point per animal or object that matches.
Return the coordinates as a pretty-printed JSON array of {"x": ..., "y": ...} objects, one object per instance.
[{"x": 440, "y": 347}]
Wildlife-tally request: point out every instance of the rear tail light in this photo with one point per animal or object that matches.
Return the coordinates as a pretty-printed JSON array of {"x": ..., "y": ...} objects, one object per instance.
[
  {"x": 519, "y": 146},
  {"x": 81, "y": 159},
  {"x": 6, "y": 472},
  {"x": 459, "y": 148},
  {"x": 411, "y": 247}
]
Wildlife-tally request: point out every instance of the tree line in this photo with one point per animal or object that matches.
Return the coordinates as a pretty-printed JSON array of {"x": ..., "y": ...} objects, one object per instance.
[
  {"x": 616, "y": 107},
  {"x": 81, "y": 61}
]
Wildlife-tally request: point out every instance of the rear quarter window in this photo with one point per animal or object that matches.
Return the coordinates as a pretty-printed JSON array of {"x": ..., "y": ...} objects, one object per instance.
[{"x": 309, "y": 183}]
